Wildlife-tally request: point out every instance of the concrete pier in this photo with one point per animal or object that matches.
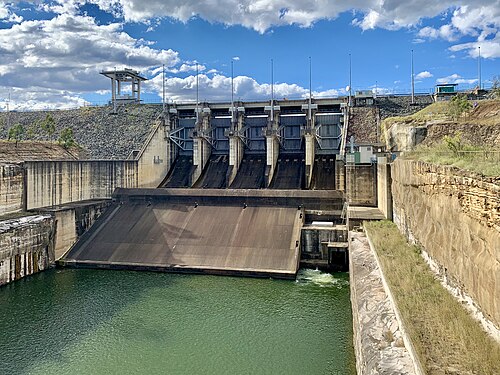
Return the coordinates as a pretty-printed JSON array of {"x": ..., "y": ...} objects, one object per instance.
[
  {"x": 201, "y": 148},
  {"x": 272, "y": 153}
]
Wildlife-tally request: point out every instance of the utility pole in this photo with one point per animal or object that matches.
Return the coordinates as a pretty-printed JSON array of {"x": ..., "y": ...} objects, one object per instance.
[
  {"x": 272, "y": 91},
  {"x": 310, "y": 90},
  {"x": 412, "y": 81},
  {"x": 197, "y": 93},
  {"x": 479, "y": 67},
  {"x": 232, "y": 92},
  {"x": 350, "y": 80},
  {"x": 163, "y": 89}
]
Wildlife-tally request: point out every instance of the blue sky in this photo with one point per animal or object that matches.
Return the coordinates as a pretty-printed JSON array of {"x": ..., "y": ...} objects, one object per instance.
[{"x": 52, "y": 51}]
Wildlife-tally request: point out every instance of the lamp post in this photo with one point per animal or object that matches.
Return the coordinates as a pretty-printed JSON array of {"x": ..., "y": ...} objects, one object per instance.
[
  {"x": 412, "y": 81},
  {"x": 350, "y": 80},
  {"x": 479, "y": 67},
  {"x": 272, "y": 91},
  {"x": 197, "y": 93}
]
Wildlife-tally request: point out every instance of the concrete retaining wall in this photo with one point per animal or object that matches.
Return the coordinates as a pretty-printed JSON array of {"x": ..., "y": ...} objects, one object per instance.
[
  {"x": 73, "y": 221},
  {"x": 361, "y": 184},
  {"x": 384, "y": 194},
  {"x": 455, "y": 217},
  {"x": 11, "y": 188},
  {"x": 26, "y": 246},
  {"x": 51, "y": 183},
  {"x": 154, "y": 159}
]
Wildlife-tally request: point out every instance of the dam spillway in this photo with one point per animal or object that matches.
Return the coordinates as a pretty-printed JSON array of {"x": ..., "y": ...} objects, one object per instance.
[
  {"x": 233, "y": 185},
  {"x": 251, "y": 173},
  {"x": 230, "y": 232}
]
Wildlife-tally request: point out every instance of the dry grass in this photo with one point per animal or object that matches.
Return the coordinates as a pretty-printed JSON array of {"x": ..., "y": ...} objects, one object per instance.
[
  {"x": 433, "y": 112},
  {"x": 487, "y": 112},
  {"x": 485, "y": 161},
  {"x": 447, "y": 339}
]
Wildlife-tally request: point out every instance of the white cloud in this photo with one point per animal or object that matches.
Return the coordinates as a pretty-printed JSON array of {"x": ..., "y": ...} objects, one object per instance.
[
  {"x": 480, "y": 20},
  {"x": 490, "y": 48},
  {"x": 424, "y": 74},
  {"x": 444, "y": 32},
  {"x": 218, "y": 88},
  {"x": 262, "y": 15},
  {"x": 455, "y": 78},
  {"x": 67, "y": 53},
  {"x": 189, "y": 67},
  {"x": 36, "y": 98},
  {"x": 7, "y": 15}
]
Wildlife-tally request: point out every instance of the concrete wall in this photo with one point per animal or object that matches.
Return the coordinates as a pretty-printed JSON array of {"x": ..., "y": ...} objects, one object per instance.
[
  {"x": 313, "y": 238},
  {"x": 51, "y": 183},
  {"x": 384, "y": 194},
  {"x": 11, "y": 188},
  {"x": 25, "y": 246},
  {"x": 361, "y": 185},
  {"x": 154, "y": 159},
  {"x": 73, "y": 221},
  {"x": 455, "y": 216}
]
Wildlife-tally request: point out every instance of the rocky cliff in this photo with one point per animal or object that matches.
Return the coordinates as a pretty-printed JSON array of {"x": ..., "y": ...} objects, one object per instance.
[{"x": 455, "y": 216}]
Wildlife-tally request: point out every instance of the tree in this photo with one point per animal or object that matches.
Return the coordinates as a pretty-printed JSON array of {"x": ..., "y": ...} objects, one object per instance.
[
  {"x": 66, "y": 138},
  {"x": 48, "y": 125},
  {"x": 458, "y": 105},
  {"x": 495, "y": 88},
  {"x": 16, "y": 133}
]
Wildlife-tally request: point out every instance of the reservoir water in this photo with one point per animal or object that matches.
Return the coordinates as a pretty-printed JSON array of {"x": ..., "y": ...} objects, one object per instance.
[{"x": 118, "y": 322}]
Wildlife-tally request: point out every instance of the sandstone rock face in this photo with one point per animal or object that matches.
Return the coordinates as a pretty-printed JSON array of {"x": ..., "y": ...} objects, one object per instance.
[{"x": 455, "y": 216}]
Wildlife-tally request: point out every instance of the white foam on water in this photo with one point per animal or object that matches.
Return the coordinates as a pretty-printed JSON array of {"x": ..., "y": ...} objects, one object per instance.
[{"x": 322, "y": 279}]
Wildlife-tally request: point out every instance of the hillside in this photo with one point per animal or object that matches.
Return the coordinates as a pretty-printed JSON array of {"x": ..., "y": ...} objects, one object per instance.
[
  {"x": 101, "y": 134},
  {"x": 472, "y": 142},
  {"x": 480, "y": 127}
]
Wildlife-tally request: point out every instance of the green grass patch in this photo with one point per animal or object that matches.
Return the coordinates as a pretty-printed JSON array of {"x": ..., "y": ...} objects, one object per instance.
[{"x": 446, "y": 337}]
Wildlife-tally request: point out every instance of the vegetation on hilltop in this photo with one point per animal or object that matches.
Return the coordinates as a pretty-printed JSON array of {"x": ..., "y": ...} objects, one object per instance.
[
  {"x": 454, "y": 151},
  {"x": 459, "y": 132},
  {"x": 446, "y": 337}
]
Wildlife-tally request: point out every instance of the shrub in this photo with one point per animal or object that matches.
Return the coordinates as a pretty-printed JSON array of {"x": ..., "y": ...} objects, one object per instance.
[
  {"x": 16, "y": 133},
  {"x": 458, "y": 106},
  {"x": 66, "y": 138}
]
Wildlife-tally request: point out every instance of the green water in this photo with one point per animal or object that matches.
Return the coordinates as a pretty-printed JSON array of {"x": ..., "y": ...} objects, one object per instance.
[{"x": 117, "y": 322}]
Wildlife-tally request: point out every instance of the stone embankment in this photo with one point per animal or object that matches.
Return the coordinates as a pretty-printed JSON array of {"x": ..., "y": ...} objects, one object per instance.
[
  {"x": 364, "y": 121},
  {"x": 391, "y": 106},
  {"x": 454, "y": 216},
  {"x": 102, "y": 134},
  {"x": 380, "y": 343}
]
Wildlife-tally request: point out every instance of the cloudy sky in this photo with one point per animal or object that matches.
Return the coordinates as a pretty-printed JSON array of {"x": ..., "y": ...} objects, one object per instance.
[{"x": 51, "y": 52}]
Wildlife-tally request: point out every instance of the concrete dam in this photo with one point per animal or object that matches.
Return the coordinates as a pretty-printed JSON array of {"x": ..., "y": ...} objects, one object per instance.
[{"x": 241, "y": 190}]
